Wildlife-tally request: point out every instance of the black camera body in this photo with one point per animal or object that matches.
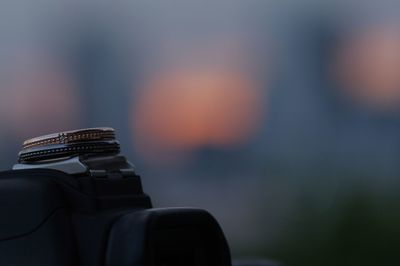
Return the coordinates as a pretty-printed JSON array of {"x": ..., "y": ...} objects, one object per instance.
[{"x": 54, "y": 214}]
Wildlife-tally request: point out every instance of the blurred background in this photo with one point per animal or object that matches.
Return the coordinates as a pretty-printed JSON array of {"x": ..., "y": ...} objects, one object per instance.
[{"x": 280, "y": 117}]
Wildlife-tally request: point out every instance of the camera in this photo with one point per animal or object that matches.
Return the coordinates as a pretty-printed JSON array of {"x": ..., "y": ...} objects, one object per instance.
[{"x": 73, "y": 199}]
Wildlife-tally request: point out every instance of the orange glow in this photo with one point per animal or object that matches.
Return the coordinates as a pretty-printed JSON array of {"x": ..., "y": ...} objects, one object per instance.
[
  {"x": 39, "y": 98},
  {"x": 189, "y": 108},
  {"x": 368, "y": 66}
]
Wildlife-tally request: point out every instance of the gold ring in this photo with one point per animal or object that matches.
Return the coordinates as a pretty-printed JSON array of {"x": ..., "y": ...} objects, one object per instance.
[{"x": 73, "y": 136}]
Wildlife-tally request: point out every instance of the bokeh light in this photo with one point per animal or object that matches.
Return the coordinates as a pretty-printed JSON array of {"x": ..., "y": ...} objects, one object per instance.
[
  {"x": 367, "y": 67},
  {"x": 184, "y": 109}
]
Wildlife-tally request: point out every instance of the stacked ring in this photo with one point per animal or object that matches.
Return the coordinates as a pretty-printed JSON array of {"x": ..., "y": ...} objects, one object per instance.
[
  {"x": 73, "y": 136},
  {"x": 92, "y": 141}
]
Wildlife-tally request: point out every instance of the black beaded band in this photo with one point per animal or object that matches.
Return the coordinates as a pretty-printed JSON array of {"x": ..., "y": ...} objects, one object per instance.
[{"x": 49, "y": 152}]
